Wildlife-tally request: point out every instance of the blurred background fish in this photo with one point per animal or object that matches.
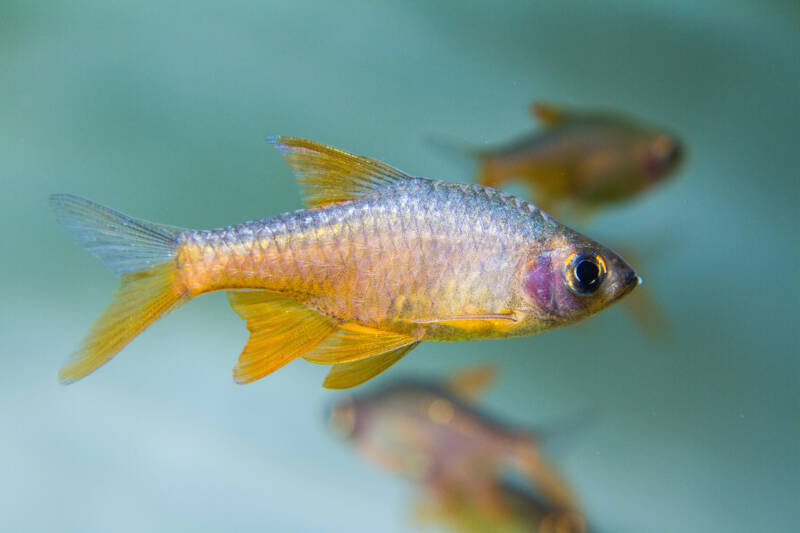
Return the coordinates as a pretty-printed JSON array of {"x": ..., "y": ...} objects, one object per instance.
[
  {"x": 517, "y": 510},
  {"x": 587, "y": 159},
  {"x": 434, "y": 434}
]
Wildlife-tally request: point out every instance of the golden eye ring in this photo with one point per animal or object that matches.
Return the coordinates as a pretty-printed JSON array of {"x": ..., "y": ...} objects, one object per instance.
[{"x": 584, "y": 272}]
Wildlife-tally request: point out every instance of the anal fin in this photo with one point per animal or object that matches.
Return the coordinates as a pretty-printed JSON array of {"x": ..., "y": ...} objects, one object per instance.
[
  {"x": 281, "y": 329},
  {"x": 346, "y": 375},
  {"x": 353, "y": 342}
]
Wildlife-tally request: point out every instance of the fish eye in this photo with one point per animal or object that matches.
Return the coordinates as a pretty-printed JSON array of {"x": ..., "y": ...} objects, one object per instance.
[{"x": 584, "y": 272}]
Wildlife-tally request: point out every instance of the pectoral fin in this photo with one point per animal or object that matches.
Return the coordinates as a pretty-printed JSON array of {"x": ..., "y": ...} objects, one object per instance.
[
  {"x": 346, "y": 375},
  {"x": 281, "y": 329},
  {"x": 353, "y": 342},
  {"x": 475, "y": 324}
]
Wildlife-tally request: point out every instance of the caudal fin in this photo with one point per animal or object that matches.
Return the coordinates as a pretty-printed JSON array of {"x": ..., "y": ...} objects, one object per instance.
[{"x": 143, "y": 254}]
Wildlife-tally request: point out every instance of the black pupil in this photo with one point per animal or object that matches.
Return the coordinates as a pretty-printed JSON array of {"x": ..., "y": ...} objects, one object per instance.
[{"x": 587, "y": 273}]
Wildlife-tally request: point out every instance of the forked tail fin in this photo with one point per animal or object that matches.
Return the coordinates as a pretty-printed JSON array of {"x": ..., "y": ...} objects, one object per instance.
[{"x": 143, "y": 254}]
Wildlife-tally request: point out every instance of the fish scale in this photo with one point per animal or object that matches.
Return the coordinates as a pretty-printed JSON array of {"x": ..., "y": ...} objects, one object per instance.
[{"x": 400, "y": 247}]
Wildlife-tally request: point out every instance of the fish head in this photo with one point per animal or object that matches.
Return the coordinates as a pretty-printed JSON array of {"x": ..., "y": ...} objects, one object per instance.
[
  {"x": 660, "y": 154},
  {"x": 571, "y": 277}
]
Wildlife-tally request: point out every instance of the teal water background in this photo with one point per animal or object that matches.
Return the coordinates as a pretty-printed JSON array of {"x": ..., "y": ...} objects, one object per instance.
[{"x": 160, "y": 109}]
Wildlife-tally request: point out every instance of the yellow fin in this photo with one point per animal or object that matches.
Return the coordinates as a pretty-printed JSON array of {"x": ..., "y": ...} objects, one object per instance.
[
  {"x": 353, "y": 342},
  {"x": 328, "y": 175},
  {"x": 346, "y": 375},
  {"x": 281, "y": 329},
  {"x": 470, "y": 383},
  {"x": 141, "y": 299},
  {"x": 143, "y": 253},
  {"x": 548, "y": 114}
]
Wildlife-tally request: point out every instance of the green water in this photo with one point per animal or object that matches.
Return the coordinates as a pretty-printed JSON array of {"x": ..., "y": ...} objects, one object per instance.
[{"x": 161, "y": 110}]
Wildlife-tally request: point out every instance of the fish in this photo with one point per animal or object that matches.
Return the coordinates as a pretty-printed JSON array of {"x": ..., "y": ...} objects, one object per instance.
[
  {"x": 377, "y": 262},
  {"x": 435, "y": 435},
  {"x": 518, "y": 511},
  {"x": 583, "y": 159}
]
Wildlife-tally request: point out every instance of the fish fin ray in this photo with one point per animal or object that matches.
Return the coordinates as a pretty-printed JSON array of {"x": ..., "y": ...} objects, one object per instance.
[
  {"x": 143, "y": 253},
  {"x": 346, "y": 375},
  {"x": 141, "y": 299},
  {"x": 328, "y": 175},
  {"x": 353, "y": 342},
  {"x": 281, "y": 329},
  {"x": 124, "y": 244},
  {"x": 471, "y": 383}
]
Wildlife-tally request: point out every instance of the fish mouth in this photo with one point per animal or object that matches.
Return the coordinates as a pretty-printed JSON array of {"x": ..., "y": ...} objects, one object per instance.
[{"x": 631, "y": 281}]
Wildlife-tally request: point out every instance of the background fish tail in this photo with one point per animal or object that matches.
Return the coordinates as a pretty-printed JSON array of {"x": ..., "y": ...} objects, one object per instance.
[
  {"x": 490, "y": 173},
  {"x": 143, "y": 254}
]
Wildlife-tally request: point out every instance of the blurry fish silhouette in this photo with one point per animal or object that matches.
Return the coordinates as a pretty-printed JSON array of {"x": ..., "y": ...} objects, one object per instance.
[
  {"x": 517, "y": 511},
  {"x": 585, "y": 159},
  {"x": 433, "y": 434},
  {"x": 378, "y": 262}
]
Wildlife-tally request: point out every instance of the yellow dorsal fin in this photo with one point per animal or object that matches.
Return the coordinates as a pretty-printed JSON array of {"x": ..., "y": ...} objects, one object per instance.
[
  {"x": 281, "y": 329},
  {"x": 472, "y": 382},
  {"x": 549, "y": 114},
  {"x": 327, "y": 175},
  {"x": 346, "y": 375},
  {"x": 353, "y": 342}
]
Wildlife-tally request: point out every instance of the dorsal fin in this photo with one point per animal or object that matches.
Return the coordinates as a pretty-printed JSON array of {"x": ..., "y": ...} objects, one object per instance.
[
  {"x": 549, "y": 114},
  {"x": 472, "y": 382},
  {"x": 353, "y": 342},
  {"x": 327, "y": 175}
]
